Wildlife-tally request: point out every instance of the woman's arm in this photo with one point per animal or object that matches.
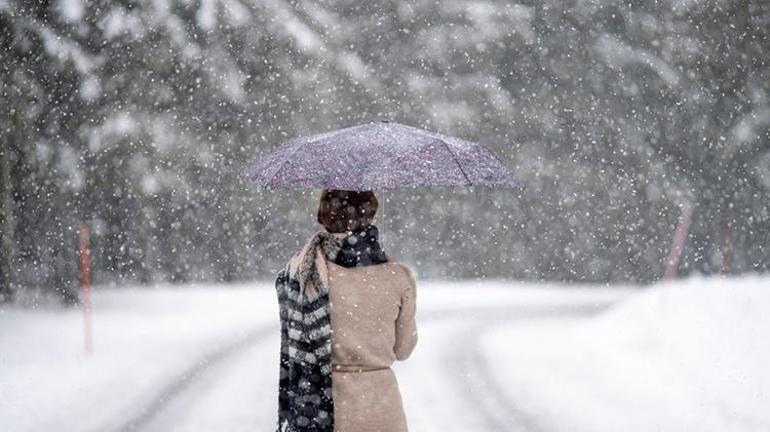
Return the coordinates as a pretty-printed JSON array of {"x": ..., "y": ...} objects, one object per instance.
[{"x": 406, "y": 326}]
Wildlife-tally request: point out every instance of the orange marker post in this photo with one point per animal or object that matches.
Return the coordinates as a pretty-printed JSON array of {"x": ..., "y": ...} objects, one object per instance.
[{"x": 85, "y": 280}]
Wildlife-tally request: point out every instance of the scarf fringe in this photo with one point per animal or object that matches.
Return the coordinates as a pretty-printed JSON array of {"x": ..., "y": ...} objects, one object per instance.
[{"x": 305, "y": 402}]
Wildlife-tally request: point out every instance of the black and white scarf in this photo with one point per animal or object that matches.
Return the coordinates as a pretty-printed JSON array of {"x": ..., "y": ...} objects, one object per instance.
[{"x": 305, "y": 401}]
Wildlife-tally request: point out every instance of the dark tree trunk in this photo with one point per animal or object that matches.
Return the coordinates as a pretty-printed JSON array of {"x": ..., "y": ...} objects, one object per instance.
[
  {"x": 6, "y": 222},
  {"x": 726, "y": 249},
  {"x": 64, "y": 256},
  {"x": 65, "y": 269}
]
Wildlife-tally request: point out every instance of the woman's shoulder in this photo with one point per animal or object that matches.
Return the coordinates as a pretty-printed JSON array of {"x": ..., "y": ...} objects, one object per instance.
[{"x": 403, "y": 268}]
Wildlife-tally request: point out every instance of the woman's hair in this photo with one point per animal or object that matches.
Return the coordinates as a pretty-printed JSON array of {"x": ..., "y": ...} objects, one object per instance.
[{"x": 340, "y": 210}]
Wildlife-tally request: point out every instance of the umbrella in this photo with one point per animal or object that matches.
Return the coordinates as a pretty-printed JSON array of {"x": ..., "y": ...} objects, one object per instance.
[{"x": 378, "y": 156}]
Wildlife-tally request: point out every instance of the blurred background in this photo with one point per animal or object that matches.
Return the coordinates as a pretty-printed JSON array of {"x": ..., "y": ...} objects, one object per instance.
[
  {"x": 640, "y": 130},
  {"x": 137, "y": 117}
]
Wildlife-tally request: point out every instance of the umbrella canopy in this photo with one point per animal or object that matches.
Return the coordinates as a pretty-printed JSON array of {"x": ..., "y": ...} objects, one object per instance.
[{"x": 376, "y": 156}]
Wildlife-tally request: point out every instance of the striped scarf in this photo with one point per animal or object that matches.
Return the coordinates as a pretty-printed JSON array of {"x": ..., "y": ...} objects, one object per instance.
[{"x": 305, "y": 401}]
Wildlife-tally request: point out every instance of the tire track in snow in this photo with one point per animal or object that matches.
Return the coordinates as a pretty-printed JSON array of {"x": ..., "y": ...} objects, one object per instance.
[
  {"x": 178, "y": 385},
  {"x": 485, "y": 395},
  {"x": 497, "y": 414}
]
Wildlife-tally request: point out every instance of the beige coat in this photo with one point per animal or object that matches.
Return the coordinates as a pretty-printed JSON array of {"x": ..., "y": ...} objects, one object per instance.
[{"x": 373, "y": 324}]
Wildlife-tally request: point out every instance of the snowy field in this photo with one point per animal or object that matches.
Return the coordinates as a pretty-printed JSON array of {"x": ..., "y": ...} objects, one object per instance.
[{"x": 492, "y": 356}]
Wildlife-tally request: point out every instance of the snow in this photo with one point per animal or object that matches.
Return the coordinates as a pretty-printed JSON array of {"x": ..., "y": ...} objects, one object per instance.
[
  {"x": 136, "y": 119},
  {"x": 491, "y": 22},
  {"x": 119, "y": 22},
  {"x": 748, "y": 128},
  {"x": 90, "y": 88},
  {"x": 618, "y": 54},
  {"x": 206, "y": 15},
  {"x": 141, "y": 337},
  {"x": 507, "y": 355},
  {"x": 679, "y": 356},
  {"x": 119, "y": 124},
  {"x": 64, "y": 50},
  {"x": 237, "y": 14},
  {"x": 145, "y": 338},
  {"x": 305, "y": 38},
  {"x": 71, "y": 10},
  {"x": 611, "y": 114},
  {"x": 762, "y": 171}
]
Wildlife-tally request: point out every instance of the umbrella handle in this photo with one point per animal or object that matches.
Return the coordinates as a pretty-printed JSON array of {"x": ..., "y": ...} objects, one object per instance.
[{"x": 382, "y": 218}]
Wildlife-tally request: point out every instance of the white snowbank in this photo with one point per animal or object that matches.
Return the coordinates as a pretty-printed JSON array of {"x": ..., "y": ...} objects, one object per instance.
[
  {"x": 690, "y": 355},
  {"x": 142, "y": 339}
]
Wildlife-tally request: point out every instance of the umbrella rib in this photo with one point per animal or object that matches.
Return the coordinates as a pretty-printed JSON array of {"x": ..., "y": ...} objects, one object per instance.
[
  {"x": 280, "y": 167},
  {"x": 442, "y": 139},
  {"x": 449, "y": 147},
  {"x": 500, "y": 161},
  {"x": 393, "y": 137}
]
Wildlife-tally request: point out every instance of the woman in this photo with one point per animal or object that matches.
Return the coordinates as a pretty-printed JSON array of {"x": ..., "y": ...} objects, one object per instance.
[{"x": 347, "y": 313}]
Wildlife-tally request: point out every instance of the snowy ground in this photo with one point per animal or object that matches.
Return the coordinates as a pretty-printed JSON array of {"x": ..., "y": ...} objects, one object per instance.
[
  {"x": 492, "y": 356},
  {"x": 680, "y": 357}
]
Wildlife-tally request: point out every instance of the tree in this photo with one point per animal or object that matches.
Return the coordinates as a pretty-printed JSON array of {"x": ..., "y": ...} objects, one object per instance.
[{"x": 6, "y": 213}]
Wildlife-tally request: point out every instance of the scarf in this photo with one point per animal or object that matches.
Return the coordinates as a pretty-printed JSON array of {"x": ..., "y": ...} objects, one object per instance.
[
  {"x": 305, "y": 401},
  {"x": 361, "y": 248}
]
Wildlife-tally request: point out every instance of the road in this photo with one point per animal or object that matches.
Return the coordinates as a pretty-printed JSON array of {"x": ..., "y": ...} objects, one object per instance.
[{"x": 446, "y": 384}]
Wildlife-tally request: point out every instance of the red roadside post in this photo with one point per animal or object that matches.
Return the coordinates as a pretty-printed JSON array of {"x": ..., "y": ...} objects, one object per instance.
[
  {"x": 85, "y": 280},
  {"x": 677, "y": 242}
]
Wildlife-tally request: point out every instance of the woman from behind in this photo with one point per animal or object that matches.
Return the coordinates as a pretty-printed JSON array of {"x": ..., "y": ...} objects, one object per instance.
[{"x": 347, "y": 314}]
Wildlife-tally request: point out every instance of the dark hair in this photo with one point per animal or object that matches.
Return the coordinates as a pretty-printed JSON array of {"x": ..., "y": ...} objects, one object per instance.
[{"x": 341, "y": 210}]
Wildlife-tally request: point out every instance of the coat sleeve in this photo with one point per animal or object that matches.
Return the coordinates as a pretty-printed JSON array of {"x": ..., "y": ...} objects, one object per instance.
[{"x": 406, "y": 325}]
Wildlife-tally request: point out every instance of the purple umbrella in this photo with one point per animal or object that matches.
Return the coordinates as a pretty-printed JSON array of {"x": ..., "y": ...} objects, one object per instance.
[{"x": 377, "y": 156}]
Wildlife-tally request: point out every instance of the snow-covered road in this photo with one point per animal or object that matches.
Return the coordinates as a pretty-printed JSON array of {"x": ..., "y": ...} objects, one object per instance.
[
  {"x": 448, "y": 385},
  {"x": 492, "y": 356},
  {"x": 447, "y": 376}
]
